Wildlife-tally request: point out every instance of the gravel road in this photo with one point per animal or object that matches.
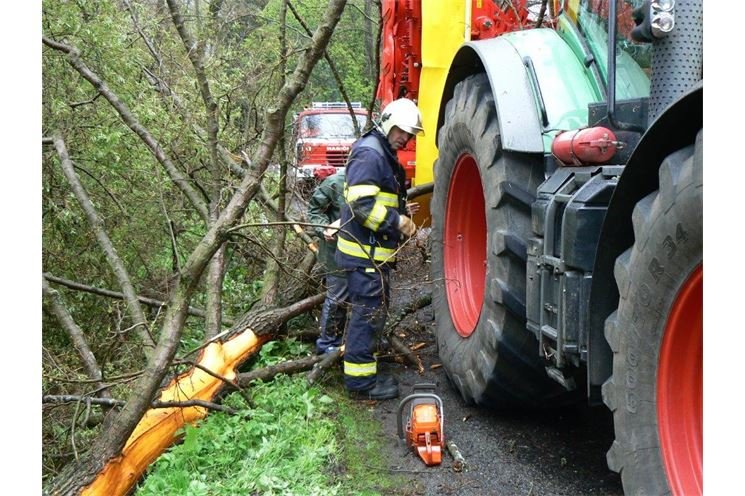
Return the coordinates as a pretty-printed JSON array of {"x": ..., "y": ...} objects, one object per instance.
[{"x": 556, "y": 452}]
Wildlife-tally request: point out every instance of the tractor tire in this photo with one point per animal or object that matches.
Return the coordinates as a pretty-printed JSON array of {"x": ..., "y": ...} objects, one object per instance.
[
  {"x": 655, "y": 391},
  {"x": 481, "y": 208}
]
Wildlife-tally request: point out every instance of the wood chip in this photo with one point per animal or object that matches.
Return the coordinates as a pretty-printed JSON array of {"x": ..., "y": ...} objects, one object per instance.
[
  {"x": 435, "y": 366},
  {"x": 418, "y": 346}
]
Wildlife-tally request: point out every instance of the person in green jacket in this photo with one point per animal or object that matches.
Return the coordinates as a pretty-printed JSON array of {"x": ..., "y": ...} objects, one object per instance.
[{"x": 324, "y": 209}]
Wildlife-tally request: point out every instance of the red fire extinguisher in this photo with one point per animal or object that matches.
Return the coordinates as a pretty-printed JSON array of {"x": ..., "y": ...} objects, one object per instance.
[{"x": 592, "y": 145}]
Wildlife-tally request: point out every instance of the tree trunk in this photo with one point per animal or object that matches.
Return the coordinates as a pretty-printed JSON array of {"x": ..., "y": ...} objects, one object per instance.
[{"x": 76, "y": 336}]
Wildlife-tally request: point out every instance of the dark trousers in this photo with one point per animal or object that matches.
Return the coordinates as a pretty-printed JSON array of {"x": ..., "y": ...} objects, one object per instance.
[
  {"x": 333, "y": 313},
  {"x": 369, "y": 293}
]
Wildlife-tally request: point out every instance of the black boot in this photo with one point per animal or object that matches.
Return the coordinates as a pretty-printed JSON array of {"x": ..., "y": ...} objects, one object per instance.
[
  {"x": 387, "y": 379},
  {"x": 383, "y": 390}
]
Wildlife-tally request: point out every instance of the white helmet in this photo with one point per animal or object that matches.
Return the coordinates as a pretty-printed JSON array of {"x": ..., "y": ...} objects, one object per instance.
[{"x": 403, "y": 114}]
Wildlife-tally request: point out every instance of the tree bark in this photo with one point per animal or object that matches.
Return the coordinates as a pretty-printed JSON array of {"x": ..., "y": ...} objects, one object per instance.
[
  {"x": 76, "y": 336},
  {"x": 369, "y": 38},
  {"x": 266, "y": 321},
  {"x": 112, "y": 257},
  {"x": 215, "y": 278},
  {"x": 59, "y": 399},
  {"x": 376, "y": 65},
  {"x": 197, "y": 53},
  {"x": 288, "y": 367},
  {"x": 270, "y": 292},
  {"x": 320, "y": 368},
  {"x": 151, "y": 302},
  {"x": 109, "y": 444}
]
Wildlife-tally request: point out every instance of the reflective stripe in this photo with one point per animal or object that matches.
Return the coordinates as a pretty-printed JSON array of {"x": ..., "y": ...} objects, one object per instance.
[
  {"x": 352, "y": 193},
  {"x": 360, "y": 369},
  {"x": 354, "y": 249},
  {"x": 387, "y": 199},
  {"x": 376, "y": 217}
]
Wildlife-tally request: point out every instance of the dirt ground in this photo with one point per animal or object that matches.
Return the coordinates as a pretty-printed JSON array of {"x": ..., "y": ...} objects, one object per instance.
[{"x": 557, "y": 452}]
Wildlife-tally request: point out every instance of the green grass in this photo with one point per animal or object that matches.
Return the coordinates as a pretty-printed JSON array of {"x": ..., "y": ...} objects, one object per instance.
[{"x": 296, "y": 441}]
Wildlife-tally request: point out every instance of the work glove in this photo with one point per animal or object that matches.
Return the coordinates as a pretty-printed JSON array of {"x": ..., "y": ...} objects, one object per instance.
[
  {"x": 330, "y": 232},
  {"x": 406, "y": 226}
]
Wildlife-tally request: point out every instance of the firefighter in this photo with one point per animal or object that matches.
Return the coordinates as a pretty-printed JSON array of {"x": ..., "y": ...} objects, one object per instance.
[
  {"x": 373, "y": 224},
  {"x": 324, "y": 209}
]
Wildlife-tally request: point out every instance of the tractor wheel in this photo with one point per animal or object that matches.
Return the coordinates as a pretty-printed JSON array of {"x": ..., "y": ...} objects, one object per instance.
[
  {"x": 656, "y": 334},
  {"x": 481, "y": 208}
]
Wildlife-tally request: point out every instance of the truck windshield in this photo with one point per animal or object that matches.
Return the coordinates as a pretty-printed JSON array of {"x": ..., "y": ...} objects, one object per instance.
[
  {"x": 330, "y": 125},
  {"x": 633, "y": 60}
]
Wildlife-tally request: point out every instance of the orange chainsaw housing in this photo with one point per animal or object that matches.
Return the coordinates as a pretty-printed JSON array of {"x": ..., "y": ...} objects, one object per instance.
[
  {"x": 425, "y": 425},
  {"x": 424, "y": 433}
]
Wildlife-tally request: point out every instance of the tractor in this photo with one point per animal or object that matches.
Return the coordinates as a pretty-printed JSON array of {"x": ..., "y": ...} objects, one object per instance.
[{"x": 565, "y": 143}]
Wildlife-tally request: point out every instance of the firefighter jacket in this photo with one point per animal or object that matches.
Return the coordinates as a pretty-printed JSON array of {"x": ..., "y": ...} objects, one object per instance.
[
  {"x": 375, "y": 198},
  {"x": 324, "y": 208}
]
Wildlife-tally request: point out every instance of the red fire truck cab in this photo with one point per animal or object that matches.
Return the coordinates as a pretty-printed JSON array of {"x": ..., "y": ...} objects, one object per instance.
[{"x": 324, "y": 134}]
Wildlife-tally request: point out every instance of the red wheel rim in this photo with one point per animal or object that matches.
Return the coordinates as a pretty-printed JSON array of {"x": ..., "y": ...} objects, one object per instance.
[
  {"x": 464, "y": 245},
  {"x": 680, "y": 389}
]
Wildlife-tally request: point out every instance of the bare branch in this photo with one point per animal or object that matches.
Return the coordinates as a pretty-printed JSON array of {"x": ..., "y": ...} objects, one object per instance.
[
  {"x": 97, "y": 225},
  {"x": 46, "y": 399},
  {"x": 151, "y": 302},
  {"x": 76, "y": 336},
  {"x": 378, "y": 40},
  {"x": 328, "y": 360},
  {"x": 399, "y": 346},
  {"x": 287, "y": 367},
  {"x": 542, "y": 13},
  {"x": 196, "y": 55},
  {"x": 147, "y": 41},
  {"x": 75, "y": 105}
]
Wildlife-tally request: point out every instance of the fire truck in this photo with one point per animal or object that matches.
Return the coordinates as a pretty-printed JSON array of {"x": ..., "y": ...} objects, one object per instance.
[
  {"x": 565, "y": 143},
  {"x": 324, "y": 134}
]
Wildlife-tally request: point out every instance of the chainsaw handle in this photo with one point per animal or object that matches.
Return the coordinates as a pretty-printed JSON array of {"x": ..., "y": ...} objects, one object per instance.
[{"x": 399, "y": 420}]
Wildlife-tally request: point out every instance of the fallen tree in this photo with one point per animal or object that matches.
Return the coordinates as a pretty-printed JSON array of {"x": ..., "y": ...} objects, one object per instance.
[{"x": 189, "y": 396}]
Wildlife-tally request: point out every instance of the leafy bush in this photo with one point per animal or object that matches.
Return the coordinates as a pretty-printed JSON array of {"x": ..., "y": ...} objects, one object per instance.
[{"x": 280, "y": 447}]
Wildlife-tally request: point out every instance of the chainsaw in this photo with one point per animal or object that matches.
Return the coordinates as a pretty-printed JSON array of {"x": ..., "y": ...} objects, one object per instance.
[{"x": 424, "y": 426}]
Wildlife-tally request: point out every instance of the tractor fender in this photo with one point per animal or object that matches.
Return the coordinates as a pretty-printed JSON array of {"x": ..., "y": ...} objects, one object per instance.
[
  {"x": 565, "y": 90},
  {"x": 675, "y": 128}
]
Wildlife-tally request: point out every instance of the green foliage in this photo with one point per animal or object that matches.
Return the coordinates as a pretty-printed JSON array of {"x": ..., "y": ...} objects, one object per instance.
[
  {"x": 297, "y": 441},
  {"x": 280, "y": 447}
]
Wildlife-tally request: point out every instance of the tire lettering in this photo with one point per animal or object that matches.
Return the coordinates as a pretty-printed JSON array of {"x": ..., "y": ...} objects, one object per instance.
[
  {"x": 645, "y": 294},
  {"x": 681, "y": 235},
  {"x": 631, "y": 402},
  {"x": 631, "y": 378},
  {"x": 632, "y": 357},
  {"x": 656, "y": 270},
  {"x": 635, "y": 313},
  {"x": 669, "y": 246}
]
